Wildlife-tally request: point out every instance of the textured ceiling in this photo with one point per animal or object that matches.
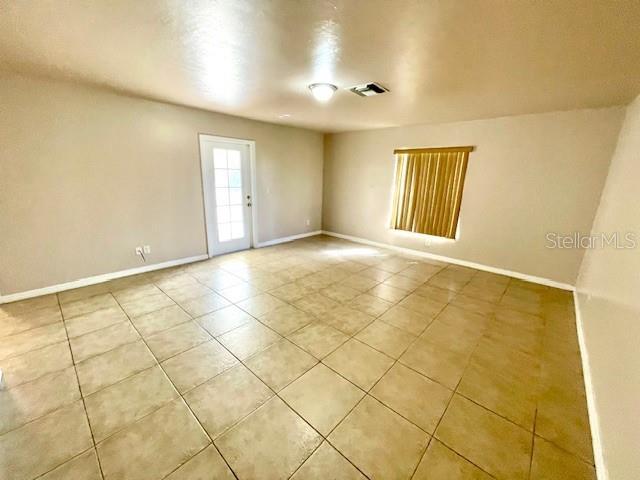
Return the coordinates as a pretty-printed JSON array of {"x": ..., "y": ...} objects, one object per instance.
[{"x": 442, "y": 60}]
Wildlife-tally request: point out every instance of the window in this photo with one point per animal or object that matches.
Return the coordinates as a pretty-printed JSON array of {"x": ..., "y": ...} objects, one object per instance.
[
  {"x": 428, "y": 190},
  {"x": 228, "y": 178}
]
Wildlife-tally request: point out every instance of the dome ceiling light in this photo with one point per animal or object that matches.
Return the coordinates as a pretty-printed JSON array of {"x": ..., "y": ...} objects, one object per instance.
[{"x": 322, "y": 92}]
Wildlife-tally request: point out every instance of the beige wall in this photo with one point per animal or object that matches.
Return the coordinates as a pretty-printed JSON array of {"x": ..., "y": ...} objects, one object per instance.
[
  {"x": 86, "y": 175},
  {"x": 609, "y": 303},
  {"x": 529, "y": 175}
]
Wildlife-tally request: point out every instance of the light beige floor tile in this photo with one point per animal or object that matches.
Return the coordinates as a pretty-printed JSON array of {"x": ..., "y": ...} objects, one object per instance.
[
  {"x": 443, "y": 463},
  {"x": 261, "y": 304},
  {"x": 515, "y": 337},
  {"x": 224, "y": 320},
  {"x": 406, "y": 320},
  {"x": 461, "y": 317},
  {"x": 291, "y": 292},
  {"x": 208, "y": 464},
  {"x": 562, "y": 418},
  {"x": 318, "y": 339},
  {"x": 494, "y": 444},
  {"x": 402, "y": 282},
  {"x": 11, "y": 324},
  {"x": 448, "y": 282},
  {"x": 512, "y": 398},
  {"x": 313, "y": 282},
  {"x": 88, "y": 305},
  {"x": 194, "y": 367},
  {"x": 248, "y": 339},
  {"x": 93, "y": 321},
  {"x": 340, "y": 292},
  {"x": 417, "y": 398},
  {"x": 171, "y": 437},
  {"x": 386, "y": 338},
  {"x": 267, "y": 281},
  {"x": 127, "y": 282},
  {"x": 81, "y": 293},
  {"x": 551, "y": 463},
  {"x": 436, "y": 362},
  {"x": 24, "y": 342},
  {"x": 452, "y": 337},
  {"x": 395, "y": 264},
  {"x": 316, "y": 304},
  {"x": 286, "y": 319},
  {"x": 34, "y": 399},
  {"x": 270, "y": 443},
  {"x": 28, "y": 305},
  {"x": 435, "y": 294},
  {"x": 135, "y": 292},
  {"x": 35, "y": 364},
  {"x": 474, "y": 304},
  {"x": 114, "y": 407},
  {"x": 159, "y": 320},
  {"x": 379, "y": 442},
  {"x": 322, "y": 397},
  {"x": 35, "y": 448},
  {"x": 326, "y": 463},
  {"x": 359, "y": 363},
  {"x": 280, "y": 364},
  {"x": 83, "y": 467},
  {"x": 175, "y": 280},
  {"x": 422, "y": 305},
  {"x": 347, "y": 320},
  {"x": 197, "y": 307},
  {"x": 375, "y": 273},
  {"x": 100, "y": 341},
  {"x": 220, "y": 280},
  {"x": 148, "y": 304},
  {"x": 115, "y": 365},
  {"x": 187, "y": 292},
  {"x": 487, "y": 292},
  {"x": 370, "y": 305},
  {"x": 176, "y": 340},
  {"x": 523, "y": 320},
  {"x": 222, "y": 401},
  {"x": 388, "y": 293},
  {"x": 421, "y": 271},
  {"x": 239, "y": 292}
]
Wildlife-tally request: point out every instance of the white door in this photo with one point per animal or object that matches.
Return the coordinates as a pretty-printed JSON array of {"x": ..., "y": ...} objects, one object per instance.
[{"x": 226, "y": 180}]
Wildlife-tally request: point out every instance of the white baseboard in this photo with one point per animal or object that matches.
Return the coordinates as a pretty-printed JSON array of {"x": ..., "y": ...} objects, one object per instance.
[
  {"x": 290, "y": 238},
  {"x": 419, "y": 253},
  {"x": 594, "y": 420},
  {"x": 84, "y": 282}
]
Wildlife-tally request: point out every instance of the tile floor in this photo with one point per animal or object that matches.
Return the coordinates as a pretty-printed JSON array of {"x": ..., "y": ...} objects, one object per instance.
[{"x": 315, "y": 359}]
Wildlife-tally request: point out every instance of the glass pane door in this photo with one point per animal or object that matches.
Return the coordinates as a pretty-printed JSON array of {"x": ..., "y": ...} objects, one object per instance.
[{"x": 226, "y": 182}]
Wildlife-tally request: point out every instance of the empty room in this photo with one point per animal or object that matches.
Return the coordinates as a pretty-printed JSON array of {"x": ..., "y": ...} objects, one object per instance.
[{"x": 319, "y": 239}]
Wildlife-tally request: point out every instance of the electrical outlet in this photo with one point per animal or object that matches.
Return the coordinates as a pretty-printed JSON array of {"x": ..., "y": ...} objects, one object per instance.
[
  {"x": 308, "y": 222},
  {"x": 138, "y": 250},
  {"x": 147, "y": 249}
]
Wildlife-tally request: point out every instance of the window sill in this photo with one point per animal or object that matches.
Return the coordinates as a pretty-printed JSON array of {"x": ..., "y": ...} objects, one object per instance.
[{"x": 429, "y": 239}]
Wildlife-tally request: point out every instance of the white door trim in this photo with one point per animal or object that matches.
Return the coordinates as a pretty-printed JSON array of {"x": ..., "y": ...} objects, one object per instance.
[{"x": 202, "y": 137}]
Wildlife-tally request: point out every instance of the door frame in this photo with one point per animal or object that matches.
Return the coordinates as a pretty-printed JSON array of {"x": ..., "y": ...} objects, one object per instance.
[{"x": 204, "y": 170}]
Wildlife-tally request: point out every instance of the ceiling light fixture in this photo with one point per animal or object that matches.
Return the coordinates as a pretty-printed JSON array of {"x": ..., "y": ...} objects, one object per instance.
[{"x": 322, "y": 92}]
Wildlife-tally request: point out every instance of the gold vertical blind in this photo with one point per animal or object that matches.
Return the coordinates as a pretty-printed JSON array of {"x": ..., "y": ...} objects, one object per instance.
[{"x": 428, "y": 190}]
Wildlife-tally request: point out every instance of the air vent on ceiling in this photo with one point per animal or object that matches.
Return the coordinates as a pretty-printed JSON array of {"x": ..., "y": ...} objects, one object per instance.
[{"x": 369, "y": 89}]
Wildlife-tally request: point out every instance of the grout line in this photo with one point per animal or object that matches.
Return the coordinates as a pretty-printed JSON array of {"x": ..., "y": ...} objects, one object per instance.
[{"x": 84, "y": 405}]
